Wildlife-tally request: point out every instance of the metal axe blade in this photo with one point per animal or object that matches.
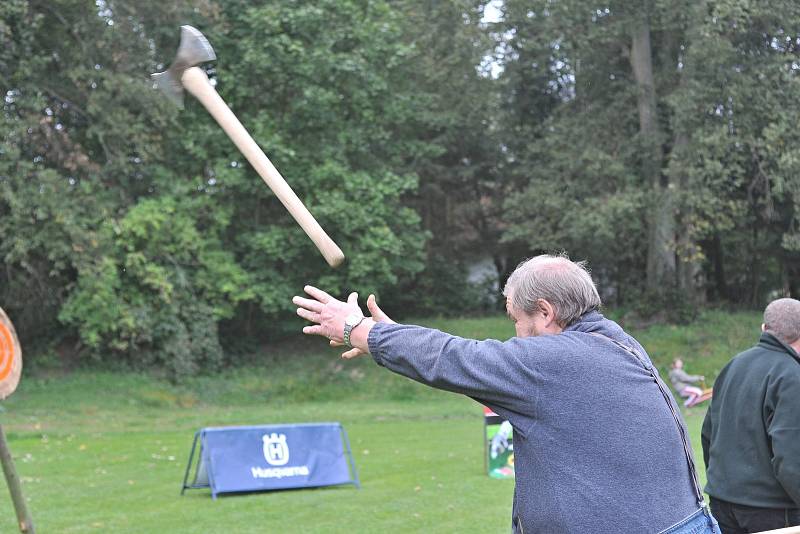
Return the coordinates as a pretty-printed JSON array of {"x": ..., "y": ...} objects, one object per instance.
[{"x": 193, "y": 50}]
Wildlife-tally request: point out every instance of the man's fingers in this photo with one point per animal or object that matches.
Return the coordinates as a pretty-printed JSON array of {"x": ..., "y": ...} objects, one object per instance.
[
  {"x": 309, "y": 315},
  {"x": 313, "y": 305},
  {"x": 372, "y": 306},
  {"x": 353, "y": 298},
  {"x": 376, "y": 312},
  {"x": 316, "y": 330},
  {"x": 318, "y": 294},
  {"x": 352, "y": 353},
  {"x": 335, "y": 343}
]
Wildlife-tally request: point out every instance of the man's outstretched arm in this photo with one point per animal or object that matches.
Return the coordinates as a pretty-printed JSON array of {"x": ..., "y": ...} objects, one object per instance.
[{"x": 490, "y": 370}]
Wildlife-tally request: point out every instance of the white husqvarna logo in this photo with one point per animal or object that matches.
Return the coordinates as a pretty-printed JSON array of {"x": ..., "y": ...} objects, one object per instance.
[{"x": 276, "y": 452}]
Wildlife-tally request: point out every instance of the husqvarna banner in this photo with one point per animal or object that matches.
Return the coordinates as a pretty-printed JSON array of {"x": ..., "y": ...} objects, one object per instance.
[{"x": 269, "y": 457}]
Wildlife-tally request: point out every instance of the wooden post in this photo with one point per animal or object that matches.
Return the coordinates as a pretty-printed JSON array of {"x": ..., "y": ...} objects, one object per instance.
[{"x": 23, "y": 517}]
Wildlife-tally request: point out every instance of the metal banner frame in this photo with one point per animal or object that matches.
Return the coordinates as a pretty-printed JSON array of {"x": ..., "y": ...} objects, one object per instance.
[{"x": 204, "y": 466}]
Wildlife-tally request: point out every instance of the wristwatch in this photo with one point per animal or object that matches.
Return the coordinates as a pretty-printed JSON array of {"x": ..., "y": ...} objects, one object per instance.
[{"x": 350, "y": 322}]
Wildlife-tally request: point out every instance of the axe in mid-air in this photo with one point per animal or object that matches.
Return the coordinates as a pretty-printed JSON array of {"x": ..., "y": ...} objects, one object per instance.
[{"x": 184, "y": 73}]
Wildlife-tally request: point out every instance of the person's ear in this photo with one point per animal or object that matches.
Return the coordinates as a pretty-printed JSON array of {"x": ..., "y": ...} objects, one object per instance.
[
  {"x": 763, "y": 327},
  {"x": 548, "y": 311}
]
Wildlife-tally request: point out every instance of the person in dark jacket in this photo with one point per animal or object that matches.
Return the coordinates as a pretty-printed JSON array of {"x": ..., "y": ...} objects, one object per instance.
[
  {"x": 751, "y": 433},
  {"x": 599, "y": 442}
]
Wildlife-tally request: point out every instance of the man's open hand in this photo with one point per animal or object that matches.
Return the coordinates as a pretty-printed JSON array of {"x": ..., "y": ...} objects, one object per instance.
[{"x": 329, "y": 314}]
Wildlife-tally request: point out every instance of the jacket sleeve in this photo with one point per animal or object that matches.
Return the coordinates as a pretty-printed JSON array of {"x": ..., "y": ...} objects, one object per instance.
[
  {"x": 783, "y": 429},
  {"x": 705, "y": 436},
  {"x": 683, "y": 376},
  {"x": 489, "y": 370}
]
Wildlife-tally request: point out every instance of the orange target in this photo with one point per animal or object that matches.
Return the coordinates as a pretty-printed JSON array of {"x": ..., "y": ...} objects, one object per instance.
[{"x": 10, "y": 357}]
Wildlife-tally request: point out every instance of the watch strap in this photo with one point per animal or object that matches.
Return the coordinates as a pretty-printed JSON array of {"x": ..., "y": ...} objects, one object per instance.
[{"x": 348, "y": 329}]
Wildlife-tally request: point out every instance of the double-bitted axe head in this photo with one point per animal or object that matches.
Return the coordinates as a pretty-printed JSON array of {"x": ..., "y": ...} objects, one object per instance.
[{"x": 193, "y": 50}]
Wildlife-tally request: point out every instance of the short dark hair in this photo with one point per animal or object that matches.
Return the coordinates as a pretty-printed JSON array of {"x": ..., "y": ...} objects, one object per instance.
[{"x": 782, "y": 319}]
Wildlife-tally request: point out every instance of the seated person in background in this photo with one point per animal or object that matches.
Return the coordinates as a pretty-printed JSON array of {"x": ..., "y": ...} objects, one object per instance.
[{"x": 682, "y": 382}]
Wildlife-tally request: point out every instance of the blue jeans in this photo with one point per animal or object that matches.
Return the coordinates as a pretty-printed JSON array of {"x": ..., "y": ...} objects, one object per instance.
[{"x": 700, "y": 522}]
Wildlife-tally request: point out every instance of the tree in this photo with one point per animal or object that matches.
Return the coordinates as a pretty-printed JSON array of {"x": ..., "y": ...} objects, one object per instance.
[
  {"x": 651, "y": 93},
  {"x": 587, "y": 151},
  {"x": 148, "y": 231},
  {"x": 739, "y": 109},
  {"x": 462, "y": 184}
]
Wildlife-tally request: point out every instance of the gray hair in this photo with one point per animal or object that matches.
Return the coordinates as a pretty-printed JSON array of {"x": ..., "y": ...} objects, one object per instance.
[
  {"x": 565, "y": 284},
  {"x": 782, "y": 319}
]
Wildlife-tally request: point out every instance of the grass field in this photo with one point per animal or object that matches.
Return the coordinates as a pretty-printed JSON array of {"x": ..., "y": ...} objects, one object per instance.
[{"x": 102, "y": 452}]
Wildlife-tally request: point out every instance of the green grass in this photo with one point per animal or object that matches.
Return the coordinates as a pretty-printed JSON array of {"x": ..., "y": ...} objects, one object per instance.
[{"x": 102, "y": 452}]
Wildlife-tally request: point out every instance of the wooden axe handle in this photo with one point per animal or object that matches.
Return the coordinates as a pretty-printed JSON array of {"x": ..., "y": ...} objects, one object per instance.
[{"x": 196, "y": 82}]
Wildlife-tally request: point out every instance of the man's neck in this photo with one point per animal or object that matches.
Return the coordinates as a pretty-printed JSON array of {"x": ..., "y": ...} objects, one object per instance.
[{"x": 795, "y": 346}]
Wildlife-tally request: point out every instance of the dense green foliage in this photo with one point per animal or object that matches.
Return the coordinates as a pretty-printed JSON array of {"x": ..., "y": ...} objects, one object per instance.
[
  {"x": 149, "y": 229},
  {"x": 656, "y": 139},
  {"x": 672, "y": 166}
]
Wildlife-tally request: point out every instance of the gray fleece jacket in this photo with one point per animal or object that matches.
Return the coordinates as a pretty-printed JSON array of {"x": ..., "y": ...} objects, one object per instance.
[{"x": 596, "y": 445}]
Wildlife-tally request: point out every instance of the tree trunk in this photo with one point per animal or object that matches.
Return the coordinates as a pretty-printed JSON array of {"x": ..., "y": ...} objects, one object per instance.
[
  {"x": 790, "y": 275},
  {"x": 718, "y": 262},
  {"x": 688, "y": 253},
  {"x": 661, "y": 235},
  {"x": 755, "y": 279}
]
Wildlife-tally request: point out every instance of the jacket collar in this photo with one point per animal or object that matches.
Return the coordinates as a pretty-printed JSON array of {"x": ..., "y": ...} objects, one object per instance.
[
  {"x": 769, "y": 341},
  {"x": 591, "y": 321}
]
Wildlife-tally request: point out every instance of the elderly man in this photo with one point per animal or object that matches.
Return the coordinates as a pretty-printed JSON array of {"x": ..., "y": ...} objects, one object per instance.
[
  {"x": 751, "y": 433},
  {"x": 599, "y": 445}
]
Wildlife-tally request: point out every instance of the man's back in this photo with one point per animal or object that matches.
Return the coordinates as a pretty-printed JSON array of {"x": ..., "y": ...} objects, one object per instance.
[
  {"x": 751, "y": 435},
  {"x": 596, "y": 444}
]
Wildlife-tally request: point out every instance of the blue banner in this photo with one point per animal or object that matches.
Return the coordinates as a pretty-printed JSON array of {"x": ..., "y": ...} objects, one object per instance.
[{"x": 270, "y": 457}]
